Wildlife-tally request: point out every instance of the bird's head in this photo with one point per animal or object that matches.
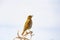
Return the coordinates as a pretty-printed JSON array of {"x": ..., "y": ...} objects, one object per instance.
[{"x": 30, "y": 16}]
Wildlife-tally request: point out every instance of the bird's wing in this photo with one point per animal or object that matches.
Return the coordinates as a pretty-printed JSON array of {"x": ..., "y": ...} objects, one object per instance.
[{"x": 28, "y": 23}]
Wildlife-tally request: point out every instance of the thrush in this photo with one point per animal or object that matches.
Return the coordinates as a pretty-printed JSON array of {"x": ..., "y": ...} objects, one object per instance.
[{"x": 28, "y": 24}]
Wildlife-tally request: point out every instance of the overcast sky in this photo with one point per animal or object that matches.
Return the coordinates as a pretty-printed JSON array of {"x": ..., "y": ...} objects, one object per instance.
[{"x": 46, "y": 18}]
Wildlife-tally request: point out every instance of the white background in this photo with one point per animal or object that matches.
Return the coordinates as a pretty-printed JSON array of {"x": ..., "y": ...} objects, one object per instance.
[{"x": 46, "y": 18}]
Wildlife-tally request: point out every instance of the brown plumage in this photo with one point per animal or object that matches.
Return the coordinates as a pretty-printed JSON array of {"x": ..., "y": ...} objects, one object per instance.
[{"x": 28, "y": 24}]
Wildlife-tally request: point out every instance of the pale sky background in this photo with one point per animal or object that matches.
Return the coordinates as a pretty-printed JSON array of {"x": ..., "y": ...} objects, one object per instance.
[{"x": 46, "y": 18}]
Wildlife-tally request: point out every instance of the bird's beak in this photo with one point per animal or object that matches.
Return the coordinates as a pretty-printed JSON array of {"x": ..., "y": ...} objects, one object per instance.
[{"x": 32, "y": 15}]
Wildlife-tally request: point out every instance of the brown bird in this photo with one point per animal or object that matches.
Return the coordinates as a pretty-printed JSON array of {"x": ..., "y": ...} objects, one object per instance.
[{"x": 28, "y": 24}]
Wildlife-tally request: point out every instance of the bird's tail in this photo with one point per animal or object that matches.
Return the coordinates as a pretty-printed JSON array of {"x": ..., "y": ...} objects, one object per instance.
[{"x": 23, "y": 32}]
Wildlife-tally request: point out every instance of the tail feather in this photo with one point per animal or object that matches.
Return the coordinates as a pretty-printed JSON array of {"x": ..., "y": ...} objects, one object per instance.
[{"x": 23, "y": 32}]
